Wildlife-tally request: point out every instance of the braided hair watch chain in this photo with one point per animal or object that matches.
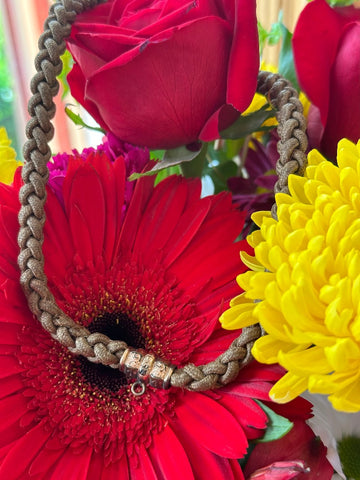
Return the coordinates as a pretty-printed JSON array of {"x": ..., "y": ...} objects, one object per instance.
[{"x": 138, "y": 365}]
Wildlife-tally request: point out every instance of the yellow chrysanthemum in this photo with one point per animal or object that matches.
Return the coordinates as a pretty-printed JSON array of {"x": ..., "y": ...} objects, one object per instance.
[
  {"x": 8, "y": 162},
  {"x": 305, "y": 103},
  {"x": 304, "y": 287}
]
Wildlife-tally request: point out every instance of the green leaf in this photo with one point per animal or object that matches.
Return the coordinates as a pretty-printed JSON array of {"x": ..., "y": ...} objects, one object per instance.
[
  {"x": 172, "y": 157},
  {"x": 263, "y": 35},
  {"x": 271, "y": 37},
  {"x": 275, "y": 33},
  {"x": 233, "y": 147},
  {"x": 79, "y": 121},
  {"x": 340, "y": 3},
  {"x": 220, "y": 173},
  {"x": 175, "y": 170},
  {"x": 286, "y": 58},
  {"x": 248, "y": 124},
  {"x": 348, "y": 449},
  {"x": 67, "y": 62},
  {"x": 277, "y": 426},
  {"x": 156, "y": 154}
]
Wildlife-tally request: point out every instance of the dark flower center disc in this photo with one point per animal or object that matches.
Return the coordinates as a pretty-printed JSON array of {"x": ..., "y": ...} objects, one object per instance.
[{"x": 117, "y": 326}]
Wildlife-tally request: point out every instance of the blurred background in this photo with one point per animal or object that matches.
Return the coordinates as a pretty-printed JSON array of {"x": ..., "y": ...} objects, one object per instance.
[{"x": 20, "y": 26}]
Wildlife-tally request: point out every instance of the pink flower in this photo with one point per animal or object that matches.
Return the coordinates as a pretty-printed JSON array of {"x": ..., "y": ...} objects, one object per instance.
[
  {"x": 326, "y": 47},
  {"x": 280, "y": 471},
  {"x": 163, "y": 73}
]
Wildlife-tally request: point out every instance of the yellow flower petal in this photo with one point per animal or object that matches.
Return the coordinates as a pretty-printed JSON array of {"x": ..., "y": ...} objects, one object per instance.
[
  {"x": 309, "y": 292},
  {"x": 344, "y": 355},
  {"x": 259, "y": 217},
  {"x": 330, "y": 384},
  {"x": 301, "y": 363},
  {"x": 287, "y": 388},
  {"x": 251, "y": 262},
  {"x": 267, "y": 347},
  {"x": 8, "y": 163},
  {"x": 272, "y": 320},
  {"x": 347, "y": 399},
  {"x": 239, "y": 316},
  {"x": 254, "y": 283},
  {"x": 314, "y": 159},
  {"x": 296, "y": 188}
]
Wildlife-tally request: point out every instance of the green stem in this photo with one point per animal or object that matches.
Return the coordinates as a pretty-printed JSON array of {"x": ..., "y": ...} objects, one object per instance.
[{"x": 195, "y": 167}]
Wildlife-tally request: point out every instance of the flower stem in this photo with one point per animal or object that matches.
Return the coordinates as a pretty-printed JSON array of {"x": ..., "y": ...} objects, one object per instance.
[{"x": 195, "y": 167}]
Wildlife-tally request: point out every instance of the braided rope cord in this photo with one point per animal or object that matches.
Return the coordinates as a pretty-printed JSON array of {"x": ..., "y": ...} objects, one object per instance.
[
  {"x": 293, "y": 140},
  {"x": 97, "y": 347}
]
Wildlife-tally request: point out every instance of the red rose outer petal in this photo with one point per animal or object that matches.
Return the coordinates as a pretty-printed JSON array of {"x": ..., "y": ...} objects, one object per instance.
[
  {"x": 314, "y": 53},
  {"x": 155, "y": 108},
  {"x": 344, "y": 109},
  {"x": 244, "y": 58}
]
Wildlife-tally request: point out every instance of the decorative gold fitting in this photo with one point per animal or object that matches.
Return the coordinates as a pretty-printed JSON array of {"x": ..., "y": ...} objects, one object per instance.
[
  {"x": 122, "y": 359},
  {"x": 160, "y": 374},
  {"x": 145, "y": 368},
  {"x": 132, "y": 363}
]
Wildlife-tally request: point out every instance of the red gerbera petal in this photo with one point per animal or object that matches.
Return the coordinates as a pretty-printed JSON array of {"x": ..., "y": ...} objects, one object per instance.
[
  {"x": 16, "y": 462},
  {"x": 219, "y": 467},
  {"x": 73, "y": 466},
  {"x": 155, "y": 274},
  {"x": 145, "y": 470},
  {"x": 45, "y": 461},
  {"x": 167, "y": 454},
  {"x": 200, "y": 415}
]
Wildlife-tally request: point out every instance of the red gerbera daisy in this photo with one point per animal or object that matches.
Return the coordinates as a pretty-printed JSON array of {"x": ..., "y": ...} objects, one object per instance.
[{"x": 156, "y": 278}]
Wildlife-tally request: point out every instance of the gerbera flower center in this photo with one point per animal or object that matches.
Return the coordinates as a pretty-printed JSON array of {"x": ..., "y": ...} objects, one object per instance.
[{"x": 117, "y": 326}]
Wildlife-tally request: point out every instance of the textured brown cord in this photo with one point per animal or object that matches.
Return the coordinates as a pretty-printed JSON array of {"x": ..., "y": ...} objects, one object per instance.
[
  {"x": 292, "y": 126},
  {"x": 97, "y": 347}
]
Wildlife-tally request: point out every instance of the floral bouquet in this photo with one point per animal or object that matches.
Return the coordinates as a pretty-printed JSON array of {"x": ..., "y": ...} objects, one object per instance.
[{"x": 181, "y": 301}]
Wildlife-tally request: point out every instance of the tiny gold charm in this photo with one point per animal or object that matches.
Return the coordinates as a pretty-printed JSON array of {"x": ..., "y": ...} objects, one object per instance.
[
  {"x": 138, "y": 389},
  {"x": 145, "y": 369}
]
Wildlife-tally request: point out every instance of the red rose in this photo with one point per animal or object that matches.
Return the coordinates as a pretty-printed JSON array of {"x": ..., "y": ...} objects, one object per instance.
[
  {"x": 164, "y": 73},
  {"x": 326, "y": 47}
]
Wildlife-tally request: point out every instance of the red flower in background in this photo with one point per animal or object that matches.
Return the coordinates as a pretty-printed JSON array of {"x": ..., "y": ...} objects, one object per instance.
[
  {"x": 299, "y": 454},
  {"x": 135, "y": 160},
  {"x": 155, "y": 277},
  {"x": 256, "y": 191},
  {"x": 326, "y": 46},
  {"x": 164, "y": 73}
]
